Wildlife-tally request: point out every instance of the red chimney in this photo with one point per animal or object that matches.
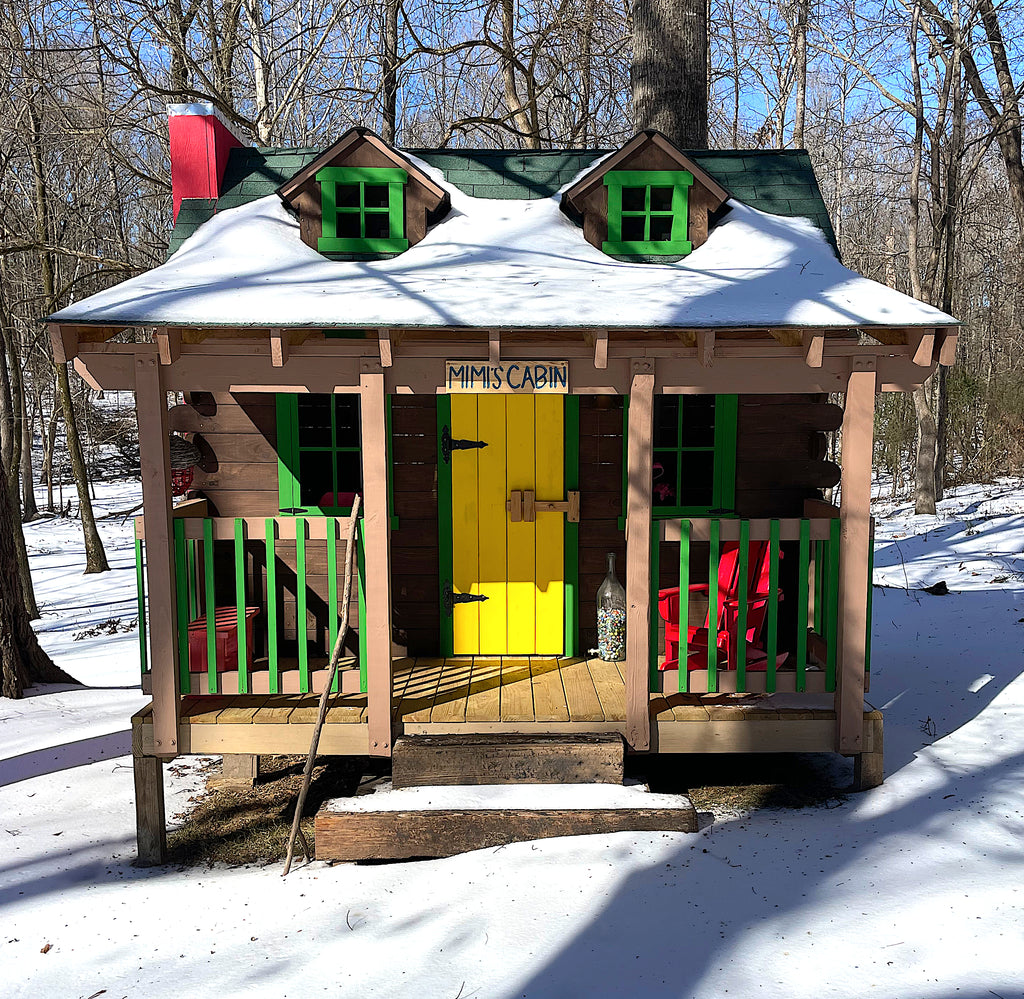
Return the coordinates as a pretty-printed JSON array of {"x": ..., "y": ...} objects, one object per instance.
[{"x": 200, "y": 142}]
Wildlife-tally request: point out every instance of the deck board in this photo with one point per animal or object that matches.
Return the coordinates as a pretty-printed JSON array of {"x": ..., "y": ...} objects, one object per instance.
[
  {"x": 452, "y": 692},
  {"x": 418, "y": 699},
  {"x": 611, "y": 690},
  {"x": 516, "y": 690},
  {"x": 580, "y": 694},
  {"x": 549, "y": 704},
  {"x": 484, "y": 701}
]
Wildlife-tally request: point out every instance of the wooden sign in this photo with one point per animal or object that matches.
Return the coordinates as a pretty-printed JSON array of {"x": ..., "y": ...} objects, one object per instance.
[{"x": 529, "y": 377}]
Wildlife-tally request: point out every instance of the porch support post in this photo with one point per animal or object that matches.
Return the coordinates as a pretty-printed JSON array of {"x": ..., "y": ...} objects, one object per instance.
[
  {"x": 155, "y": 460},
  {"x": 638, "y": 555},
  {"x": 377, "y": 556},
  {"x": 854, "y": 541}
]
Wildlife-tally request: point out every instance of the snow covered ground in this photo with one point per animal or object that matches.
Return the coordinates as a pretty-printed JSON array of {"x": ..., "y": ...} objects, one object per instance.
[{"x": 915, "y": 889}]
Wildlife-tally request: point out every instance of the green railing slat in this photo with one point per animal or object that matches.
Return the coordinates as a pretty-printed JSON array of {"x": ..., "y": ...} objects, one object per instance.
[
  {"x": 653, "y": 673},
  {"x": 331, "y": 525},
  {"x": 243, "y": 638},
  {"x": 272, "y": 659},
  {"x": 773, "y": 604},
  {"x": 360, "y": 578},
  {"x": 182, "y": 604},
  {"x": 713, "y": 558},
  {"x": 802, "y": 599},
  {"x": 300, "y": 601},
  {"x": 684, "y": 603},
  {"x": 140, "y": 593},
  {"x": 832, "y": 614},
  {"x": 743, "y": 593},
  {"x": 210, "y": 595}
]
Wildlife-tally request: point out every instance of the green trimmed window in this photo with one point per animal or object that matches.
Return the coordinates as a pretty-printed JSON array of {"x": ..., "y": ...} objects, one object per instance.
[
  {"x": 648, "y": 213},
  {"x": 319, "y": 469},
  {"x": 363, "y": 210}
]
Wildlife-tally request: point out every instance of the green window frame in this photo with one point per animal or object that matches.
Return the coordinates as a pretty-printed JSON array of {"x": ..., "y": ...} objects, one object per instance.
[
  {"x": 363, "y": 210},
  {"x": 338, "y": 444},
  {"x": 686, "y": 451},
  {"x": 648, "y": 213}
]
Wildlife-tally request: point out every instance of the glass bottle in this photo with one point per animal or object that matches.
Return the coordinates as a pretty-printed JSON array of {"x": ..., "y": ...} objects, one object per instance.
[{"x": 611, "y": 616}]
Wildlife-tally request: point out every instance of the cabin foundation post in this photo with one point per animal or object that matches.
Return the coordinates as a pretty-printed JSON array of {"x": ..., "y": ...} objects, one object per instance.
[
  {"x": 854, "y": 542},
  {"x": 150, "y": 819},
  {"x": 155, "y": 461},
  {"x": 638, "y": 555},
  {"x": 377, "y": 556}
]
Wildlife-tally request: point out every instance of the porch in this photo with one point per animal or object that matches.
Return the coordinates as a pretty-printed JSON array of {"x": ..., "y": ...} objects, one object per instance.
[{"x": 511, "y": 695}]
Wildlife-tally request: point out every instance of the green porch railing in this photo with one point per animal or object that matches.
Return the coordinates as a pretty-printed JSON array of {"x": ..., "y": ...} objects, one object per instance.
[
  {"x": 263, "y": 602},
  {"x": 794, "y": 626}
]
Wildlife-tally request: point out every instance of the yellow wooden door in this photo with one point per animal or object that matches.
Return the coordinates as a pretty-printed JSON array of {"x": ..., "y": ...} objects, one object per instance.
[{"x": 519, "y": 567}]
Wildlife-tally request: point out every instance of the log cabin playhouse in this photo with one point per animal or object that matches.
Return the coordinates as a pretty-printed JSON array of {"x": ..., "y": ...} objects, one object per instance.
[{"x": 523, "y": 361}]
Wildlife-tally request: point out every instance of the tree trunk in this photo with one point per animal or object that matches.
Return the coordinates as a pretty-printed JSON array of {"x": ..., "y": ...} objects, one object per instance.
[
  {"x": 927, "y": 435},
  {"x": 800, "y": 53},
  {"x": 670, "y": 69},
  {"x": 389, "y": 38},
  {"x": 22, "y": 661},
  {"x": 29, "y": 510}
]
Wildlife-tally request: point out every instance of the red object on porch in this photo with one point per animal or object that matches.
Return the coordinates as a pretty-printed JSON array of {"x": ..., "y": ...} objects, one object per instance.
[
  {"x": 727, "y": 614},
  {"x": 225, "y": 622}
]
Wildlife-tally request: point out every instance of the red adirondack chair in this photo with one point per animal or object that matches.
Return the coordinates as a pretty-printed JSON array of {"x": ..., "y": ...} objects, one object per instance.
[{"x": 727, "y": 614}]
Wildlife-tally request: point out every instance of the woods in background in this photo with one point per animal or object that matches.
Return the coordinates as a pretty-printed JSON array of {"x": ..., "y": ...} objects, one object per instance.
[{"x": 909, "y": 109}]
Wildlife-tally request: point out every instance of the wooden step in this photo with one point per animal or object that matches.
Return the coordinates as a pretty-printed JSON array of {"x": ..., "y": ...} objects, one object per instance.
[
  {"x": 394, "y": 824},
  {"x": 507, "y": 759}
]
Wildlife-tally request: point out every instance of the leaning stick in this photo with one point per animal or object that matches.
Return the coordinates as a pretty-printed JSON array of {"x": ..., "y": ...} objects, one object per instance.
[{"x": 325, "y": 696}]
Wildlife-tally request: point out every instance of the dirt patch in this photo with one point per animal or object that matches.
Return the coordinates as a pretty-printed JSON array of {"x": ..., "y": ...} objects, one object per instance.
[{"x": 251, "y": 827}]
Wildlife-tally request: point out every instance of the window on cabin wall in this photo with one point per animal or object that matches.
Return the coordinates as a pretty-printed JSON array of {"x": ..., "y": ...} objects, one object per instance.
[
  {"x": 362, "y": 210},
  {"x": 319, "y": 463},
  {"x": 648, "y": 213},
  {"x": 694, "y": 455}
]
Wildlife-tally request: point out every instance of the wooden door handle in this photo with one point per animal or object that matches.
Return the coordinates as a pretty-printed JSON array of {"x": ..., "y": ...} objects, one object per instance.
[{"x": 523, "y": 506}]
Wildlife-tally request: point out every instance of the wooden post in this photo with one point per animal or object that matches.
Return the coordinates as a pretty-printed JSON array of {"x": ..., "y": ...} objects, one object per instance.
[
  {"x": 154, "y": 452},
  {"x": 638, "y": 555},
  {"x": 377, "y": 549},
  {"x": 150, "y": 820},
  {"x": 854, "y": 539}
]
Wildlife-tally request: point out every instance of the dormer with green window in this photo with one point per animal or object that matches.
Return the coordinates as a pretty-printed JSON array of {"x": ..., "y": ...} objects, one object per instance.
[
  {"x": 363, "y": 200},
  {"x": 647, "y": 202}
]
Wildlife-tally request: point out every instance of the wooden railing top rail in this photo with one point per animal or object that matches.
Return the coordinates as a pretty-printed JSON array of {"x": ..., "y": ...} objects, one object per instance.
[
  {"x": 760, "y": 529},
  {"x": 224, "y": 527}
]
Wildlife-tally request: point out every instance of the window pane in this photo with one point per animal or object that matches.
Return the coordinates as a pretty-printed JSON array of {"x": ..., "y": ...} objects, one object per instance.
[
  {"x": 348, "y": 225},
  {"x": 661, "y": 199},
  {"x": 633, "y": 228},
  {"x": 350, "y": 480},
  {"x": 666, "y": 420},
  {"x": 661, "y": 228},
  {"x": 375, "y": 195},
  {"x": 633, "y": 199},
  {"x": 699, "y": 421},
  {"x": 698, "y": 478},
  {"x": 316, "y": 478},
  {"x": 314, "y": 421},
  {"x": 665, "y": 465},
  {"x": 346, "y": 425},
  {"x": 378, "y": 225},
  {"x": 346, "y": 196}
]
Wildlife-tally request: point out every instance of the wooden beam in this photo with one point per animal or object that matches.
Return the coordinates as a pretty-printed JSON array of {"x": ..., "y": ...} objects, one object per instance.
[
  {"x": 601, "y": 349},
  {"x": 278, "y": 348},
  {"x": 922, "y": 347},
  {"x": 638, "y": 555},
  {"x": 854, "y": 542},
  {"x": 154, "y": 454},
  {"x": 385, "y": 346},
  {"x": 494, "y": 346},
  {"x": 64, "y": 340},
  {"x": 150, "y": 815},
  {"x": 814, "y": 349},
  {"x": 706, "y": 348},
  {"x": 376, "y": 529},
  {"x": 168, "y": 345},
  {"x": 947, "y": 349}
]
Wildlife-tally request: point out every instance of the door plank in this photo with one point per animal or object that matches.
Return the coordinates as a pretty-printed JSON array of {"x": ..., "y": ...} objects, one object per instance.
[
  {"x": 522, "y": 537},
  {"x": 550, "y": 533},
  {"x": 494, "y": 519},
  {"x": 465, "y": 527}
]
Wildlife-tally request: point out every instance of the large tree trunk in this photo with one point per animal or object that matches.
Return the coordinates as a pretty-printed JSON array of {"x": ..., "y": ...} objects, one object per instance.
[
  {"x": 927, "y": 439},
  {"x": 389, "y": 38},
  {"x": 669, "y": 74},
  {"x": 22, "y": 661}
]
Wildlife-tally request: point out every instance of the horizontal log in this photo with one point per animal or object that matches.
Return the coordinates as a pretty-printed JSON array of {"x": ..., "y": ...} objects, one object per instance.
[
  {"x": 227, "y": 420},
  {"x": 795, "y": 415},
  {"x": 414, "y": 450},
  {"x": 238, "y": 447},
  {"x": 781, "y": 443},
  {"x": 796, "y": 473}
]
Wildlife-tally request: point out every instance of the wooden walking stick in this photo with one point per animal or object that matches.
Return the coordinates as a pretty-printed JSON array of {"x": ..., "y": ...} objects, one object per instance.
[{"x": 307, "y": 774}]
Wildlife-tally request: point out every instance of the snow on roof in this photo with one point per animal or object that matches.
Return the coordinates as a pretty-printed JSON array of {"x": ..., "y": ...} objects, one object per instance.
[{"x": 501, "y": 263}]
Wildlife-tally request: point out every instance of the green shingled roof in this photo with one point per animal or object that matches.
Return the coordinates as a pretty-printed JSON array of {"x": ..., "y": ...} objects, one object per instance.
[{"x": 778, "y": 181}]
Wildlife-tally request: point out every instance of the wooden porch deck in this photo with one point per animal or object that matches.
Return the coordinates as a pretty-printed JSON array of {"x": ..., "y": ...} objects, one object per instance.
[{"x": 515, "y": 695}]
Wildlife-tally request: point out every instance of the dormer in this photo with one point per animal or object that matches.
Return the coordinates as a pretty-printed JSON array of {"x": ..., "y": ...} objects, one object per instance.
[
  {"x": 363, "y": 200},
  {"x": 648, "y": 201}
]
